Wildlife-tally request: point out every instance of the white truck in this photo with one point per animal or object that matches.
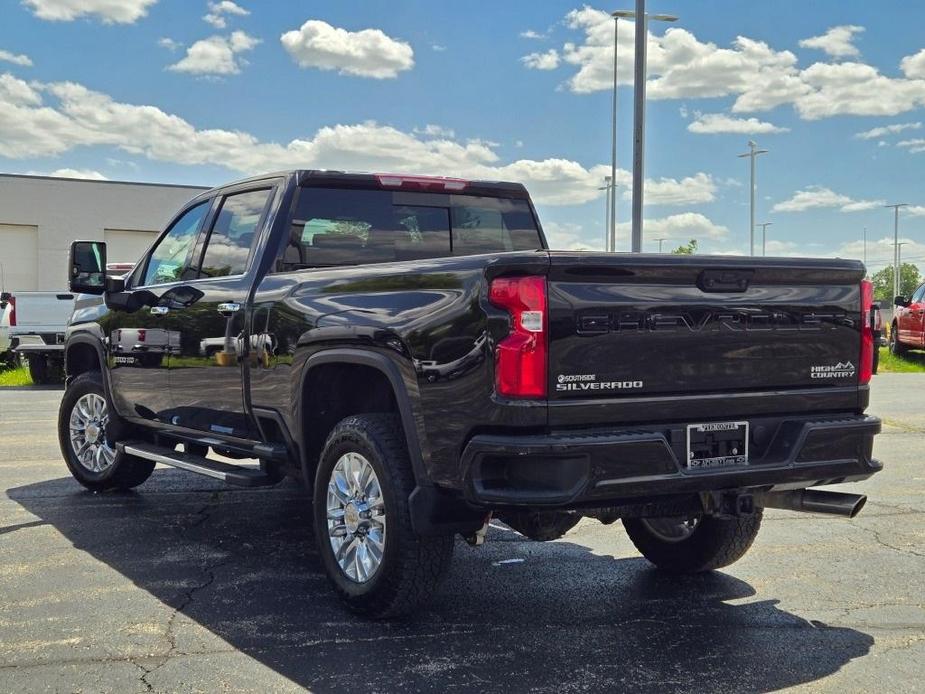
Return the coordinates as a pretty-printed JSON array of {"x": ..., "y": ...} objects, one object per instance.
[{"x": 37, "y": 321}]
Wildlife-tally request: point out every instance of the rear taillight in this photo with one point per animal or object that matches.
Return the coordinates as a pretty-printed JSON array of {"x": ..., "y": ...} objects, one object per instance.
[
  {"x": 12, "y": 311},
  {"x": 142, "y": 333},
  {"x": 520, "y": 358},
  {"x": 866, "y": 366}
]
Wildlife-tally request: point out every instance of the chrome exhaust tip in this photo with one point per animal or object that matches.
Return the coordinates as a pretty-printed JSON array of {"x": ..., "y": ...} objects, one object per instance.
[{"x": 813, "y": 501}]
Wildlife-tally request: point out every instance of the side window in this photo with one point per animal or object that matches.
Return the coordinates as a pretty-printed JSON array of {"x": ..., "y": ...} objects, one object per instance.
[
  {"x": 233, "y": 233},
  {"x": 919, "y": 294},
  {"x": 170, "y": 255}
]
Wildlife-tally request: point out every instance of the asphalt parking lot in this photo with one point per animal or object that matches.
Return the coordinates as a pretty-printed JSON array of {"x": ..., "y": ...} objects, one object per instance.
[{"x": 187, "y": 585}]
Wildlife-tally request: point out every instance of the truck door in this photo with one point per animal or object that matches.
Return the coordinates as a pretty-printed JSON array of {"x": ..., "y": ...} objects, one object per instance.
[
  {"x": 138, "y": 342},
  {"x": 207, "y": 365},
  {"x": 914, "y": 318}
]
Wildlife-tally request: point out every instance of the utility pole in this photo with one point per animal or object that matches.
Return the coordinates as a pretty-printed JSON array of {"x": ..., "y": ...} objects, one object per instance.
[
  {"x": 896, "y": 207},
  {"x": 751, "y": 154},
  {"x": 639, "y": 111},
  {"x": 899, "y": 263},
  {"x": 865, "y": 249},
  {"x": 612, "y": 235},
  {"x": 764, "y": 236}
]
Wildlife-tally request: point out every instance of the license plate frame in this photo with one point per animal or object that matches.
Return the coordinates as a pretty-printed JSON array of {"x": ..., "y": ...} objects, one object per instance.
[{"x": 716, "y": 445}]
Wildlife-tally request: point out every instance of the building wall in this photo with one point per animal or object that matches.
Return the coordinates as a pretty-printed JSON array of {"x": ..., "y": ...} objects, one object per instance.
[{"x": 40, "y": 216}]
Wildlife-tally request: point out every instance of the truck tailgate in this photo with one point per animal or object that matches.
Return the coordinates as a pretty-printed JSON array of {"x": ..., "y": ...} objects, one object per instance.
[
  {"x": 686, "y": 326},
  {"x": 42, "y": 312}
]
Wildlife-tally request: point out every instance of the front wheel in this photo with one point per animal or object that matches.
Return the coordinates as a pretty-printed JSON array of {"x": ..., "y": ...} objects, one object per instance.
[
  {"x": 897, "y": 348},
  {"x": 83, "y": 419},
  {"x": 376, "y": 562},
  {"x": 693, "y": 544}
]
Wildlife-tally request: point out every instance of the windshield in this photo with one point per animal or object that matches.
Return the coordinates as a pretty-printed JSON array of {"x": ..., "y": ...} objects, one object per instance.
[{"x": 335, "y": 226}]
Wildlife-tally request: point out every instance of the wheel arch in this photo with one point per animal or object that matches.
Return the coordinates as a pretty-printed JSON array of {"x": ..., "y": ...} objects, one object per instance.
[{"x": 384, "y": 390}]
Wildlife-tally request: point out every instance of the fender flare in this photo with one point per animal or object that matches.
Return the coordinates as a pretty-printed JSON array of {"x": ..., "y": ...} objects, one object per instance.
[{"x": 391, "y": 370}]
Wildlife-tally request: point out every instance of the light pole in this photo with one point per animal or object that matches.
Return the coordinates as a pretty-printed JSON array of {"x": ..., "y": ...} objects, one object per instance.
[
  {"x": 639, "y": 109},
  {"x": 899, "y": 264},
  {"x": 865, "y": 249},
  {"x": 752, "y": 152},
  {"x": 896, "y": 207},
  {"x": 764, "y": 236},
  {"x": 608, "y": 187},
  {"x": 659, "y": 244}
]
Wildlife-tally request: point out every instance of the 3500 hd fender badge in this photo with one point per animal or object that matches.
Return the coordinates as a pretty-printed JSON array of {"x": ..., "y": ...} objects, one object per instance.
[{"x": 579, "y": 382}]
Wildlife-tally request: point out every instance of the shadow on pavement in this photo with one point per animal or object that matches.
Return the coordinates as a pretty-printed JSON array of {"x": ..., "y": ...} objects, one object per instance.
[{"x": 513, "y": 615}]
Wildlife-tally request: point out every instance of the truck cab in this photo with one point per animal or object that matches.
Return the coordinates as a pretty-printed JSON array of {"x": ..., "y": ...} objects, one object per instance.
[{"x": 908, "y": 327}]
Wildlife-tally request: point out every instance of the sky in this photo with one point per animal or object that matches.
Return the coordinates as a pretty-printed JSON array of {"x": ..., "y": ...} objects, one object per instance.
[{"x": 205, "y": 92}]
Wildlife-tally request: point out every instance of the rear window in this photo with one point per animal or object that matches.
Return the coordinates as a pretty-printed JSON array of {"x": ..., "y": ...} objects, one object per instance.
[{"x": 336, "y": 226}]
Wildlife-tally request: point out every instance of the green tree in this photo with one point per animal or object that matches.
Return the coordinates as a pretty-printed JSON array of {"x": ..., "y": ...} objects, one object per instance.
[
  {"x": 909, "y": 279},
  {"x": 688, "y": 248}
]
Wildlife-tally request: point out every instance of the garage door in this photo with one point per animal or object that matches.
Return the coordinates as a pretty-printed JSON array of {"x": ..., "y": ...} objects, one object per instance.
[
  {"x": 127, "y": 245},
  {"x": 19, "y": 257}
]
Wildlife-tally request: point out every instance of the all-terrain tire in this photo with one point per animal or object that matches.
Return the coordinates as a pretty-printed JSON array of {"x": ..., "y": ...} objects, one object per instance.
[
  {"x": 897, "y": 348},
  {"x": 542, "y": 526},
  {"x": 713, "y": 543},
  {"x": 412, "y": 565},
  {"x": 125, "y": 471}
]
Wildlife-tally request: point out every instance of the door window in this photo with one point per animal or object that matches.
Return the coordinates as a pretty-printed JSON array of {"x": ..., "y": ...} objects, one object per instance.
[
  {"x": 170, "y": 255},
  {"x": 919, "y": 295},
  {"x": 232, "y": 238}
]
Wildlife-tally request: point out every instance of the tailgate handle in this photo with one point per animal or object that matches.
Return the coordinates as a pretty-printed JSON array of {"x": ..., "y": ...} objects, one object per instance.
[{"x": 724, "y": 280}]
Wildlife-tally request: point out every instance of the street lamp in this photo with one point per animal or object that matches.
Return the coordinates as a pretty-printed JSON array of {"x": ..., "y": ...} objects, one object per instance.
[
  {"x": 659, "y": 244},
  {"x": 764, "y": 236},
  {"x": 752, "y": 153},
  {"x": 896, "y": 207},
  {"x": 639, "y": 108},
  {"x": 609, "y": 187}
]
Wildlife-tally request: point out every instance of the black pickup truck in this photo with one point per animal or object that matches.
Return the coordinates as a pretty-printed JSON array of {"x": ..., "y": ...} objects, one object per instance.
[{"x": 411, "y": 350}]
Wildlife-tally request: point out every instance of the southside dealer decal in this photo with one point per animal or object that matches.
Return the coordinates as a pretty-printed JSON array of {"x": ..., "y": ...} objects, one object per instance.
[{"x": 580, "y": 382}]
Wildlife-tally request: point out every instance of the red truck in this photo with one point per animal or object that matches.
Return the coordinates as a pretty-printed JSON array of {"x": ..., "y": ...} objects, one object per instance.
[{"x": 907, "y": 330}]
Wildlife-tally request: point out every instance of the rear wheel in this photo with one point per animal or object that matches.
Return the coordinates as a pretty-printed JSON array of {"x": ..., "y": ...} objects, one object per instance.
[
  {"x": 44, "y": 370},
  {"x": 897, "y": 348},
  {"x": 690, "y": 544},
  {"x": 83, "y": 420},
  {"x": 376, "y": 562}
]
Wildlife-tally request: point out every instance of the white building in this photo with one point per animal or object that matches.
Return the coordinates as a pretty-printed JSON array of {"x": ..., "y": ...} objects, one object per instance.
[{"x": 40, "y": 216}]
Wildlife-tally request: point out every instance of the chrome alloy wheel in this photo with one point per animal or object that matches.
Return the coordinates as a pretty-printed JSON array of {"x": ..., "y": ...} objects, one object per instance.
[
  {"x": 672, "y": 528},
  {"x": 356, "y": 517},
  {"x": 88, "y": 433}
]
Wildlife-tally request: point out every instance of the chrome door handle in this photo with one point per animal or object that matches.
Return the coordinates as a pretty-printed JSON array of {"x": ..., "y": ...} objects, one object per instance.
[
  {"x": 160, "y": 310},
  {"x": 230, "y": 307}
]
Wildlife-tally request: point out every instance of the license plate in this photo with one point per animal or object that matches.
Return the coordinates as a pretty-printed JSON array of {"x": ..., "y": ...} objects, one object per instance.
[{"x": 717, "y": 444}]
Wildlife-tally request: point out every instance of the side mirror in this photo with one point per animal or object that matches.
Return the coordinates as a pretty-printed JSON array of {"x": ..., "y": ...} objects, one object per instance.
[
  {"x": 87, "y": 273},
  {"x": 900, "y": 301}
]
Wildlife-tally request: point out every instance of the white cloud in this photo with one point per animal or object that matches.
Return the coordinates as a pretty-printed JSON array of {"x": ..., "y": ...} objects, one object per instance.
[
  {"x": 713, "y": 123},
  {"x": 17, "y": 59},
  {"x": 913, "y": 66},
  {"x": 915, "y": 145},
  {"x": 431, "y": 130},
  {"x": 836, "y": 42},
  {"x": 681, "y": 227},
  {"x": 366, "y": 53},
  {"x": 691, "y": 190},
  {"x": 756, "y": 75},
  {"x": 169, "y": 44},
  {"x": 542, "y": 61},
  {"x": 437, "y": 47},
  {"x": 109, "y": 11},
  {"x": 216, "y": 55},
  {"x": 568, "y": 237},
  {"x": 530, "y": 34},
  {"x": 217, "y": 11},
  {"x": 815, "y": 197},
  {"x": 77, "y": 173},
  {"x": 874, "y": 133},
  {"x": 75, "y": 116}
]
